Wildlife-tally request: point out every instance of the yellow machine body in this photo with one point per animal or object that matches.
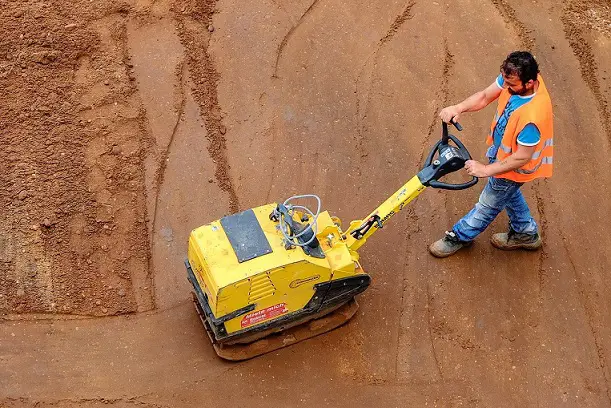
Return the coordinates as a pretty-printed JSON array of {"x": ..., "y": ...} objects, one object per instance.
[
  {"x": 239, "y": 296},
  {"x": 278, "y": 283}
]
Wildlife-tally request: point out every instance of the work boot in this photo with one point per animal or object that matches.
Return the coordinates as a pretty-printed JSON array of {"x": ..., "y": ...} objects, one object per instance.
[
  {"x": 515, "y": 240},
  {"x": 448, "y": 245}
]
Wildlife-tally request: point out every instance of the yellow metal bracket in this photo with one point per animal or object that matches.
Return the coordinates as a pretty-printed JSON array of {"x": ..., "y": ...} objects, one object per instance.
[{"x": 360, "y": 230}]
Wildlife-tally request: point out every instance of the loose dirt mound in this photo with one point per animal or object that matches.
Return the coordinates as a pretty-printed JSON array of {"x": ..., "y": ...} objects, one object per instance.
[
  {"x": 193, "y": 18},
  {"x": 592, "y": 14},
  {"x": 72, "y": 228}
]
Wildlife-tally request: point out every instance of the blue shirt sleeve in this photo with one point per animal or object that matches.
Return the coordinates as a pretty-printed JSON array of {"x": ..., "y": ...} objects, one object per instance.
[
  {"x": 530, "y": 135},
  {"x": 500, "y": 81}
]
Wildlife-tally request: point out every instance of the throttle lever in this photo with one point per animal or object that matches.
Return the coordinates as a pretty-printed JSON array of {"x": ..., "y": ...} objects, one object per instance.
[
  {"x": 457, "y": 125},
  {"x": 445, "y": 135}
]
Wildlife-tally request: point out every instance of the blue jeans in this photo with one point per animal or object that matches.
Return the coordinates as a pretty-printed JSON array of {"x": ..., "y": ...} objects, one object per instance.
[{"x": 498, "y": 195}]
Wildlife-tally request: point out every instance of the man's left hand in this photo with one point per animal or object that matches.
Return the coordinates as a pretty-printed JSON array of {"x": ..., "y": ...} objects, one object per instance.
[{"x": 477, "y": 169}]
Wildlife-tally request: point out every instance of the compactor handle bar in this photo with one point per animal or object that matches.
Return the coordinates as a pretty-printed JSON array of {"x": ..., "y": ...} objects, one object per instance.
[{"x": 449, "y": 159}]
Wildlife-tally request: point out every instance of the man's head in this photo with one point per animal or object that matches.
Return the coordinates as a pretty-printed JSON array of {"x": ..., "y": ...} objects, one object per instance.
[{"x": 520, "y": 71}]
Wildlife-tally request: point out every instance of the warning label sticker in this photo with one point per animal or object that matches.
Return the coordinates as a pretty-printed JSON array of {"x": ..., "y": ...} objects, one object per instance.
[{"x": 264, "y": 314}]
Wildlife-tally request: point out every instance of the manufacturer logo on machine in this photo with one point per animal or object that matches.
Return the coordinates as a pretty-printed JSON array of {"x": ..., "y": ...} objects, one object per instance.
[
  {"x": 264, "y": 314},
  {"x": 299, "y": 282},
  {"x": 390, "y": 214}
]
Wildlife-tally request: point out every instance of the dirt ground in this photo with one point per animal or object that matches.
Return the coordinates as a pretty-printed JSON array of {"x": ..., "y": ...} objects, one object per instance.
[{"x": 125, "y": 124}]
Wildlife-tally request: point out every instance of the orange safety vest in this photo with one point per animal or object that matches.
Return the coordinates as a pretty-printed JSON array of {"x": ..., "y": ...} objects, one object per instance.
[{"x": 539, "y": 112}]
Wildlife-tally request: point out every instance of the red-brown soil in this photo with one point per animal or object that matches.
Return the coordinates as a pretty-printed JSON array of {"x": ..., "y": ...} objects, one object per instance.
[{"x": 125, "y": 124}]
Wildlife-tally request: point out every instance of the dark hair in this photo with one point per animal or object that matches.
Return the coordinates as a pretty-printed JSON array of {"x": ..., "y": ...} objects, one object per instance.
[{"x": 522, "y": 64}]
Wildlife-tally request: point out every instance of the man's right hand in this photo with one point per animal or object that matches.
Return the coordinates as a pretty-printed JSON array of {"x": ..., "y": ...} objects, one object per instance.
[{"x": 450, "y": 113}]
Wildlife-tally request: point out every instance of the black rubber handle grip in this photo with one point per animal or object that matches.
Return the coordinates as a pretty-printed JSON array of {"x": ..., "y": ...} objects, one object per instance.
[{"x": 448, "y": 186}]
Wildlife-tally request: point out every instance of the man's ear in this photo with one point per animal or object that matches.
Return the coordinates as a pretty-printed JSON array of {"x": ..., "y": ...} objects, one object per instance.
[{"x": 530, "y": 84}]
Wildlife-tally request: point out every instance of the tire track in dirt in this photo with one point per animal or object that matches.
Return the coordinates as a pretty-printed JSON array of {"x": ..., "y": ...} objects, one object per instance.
[
  {"x": 509, "y": 15},
  {"x": 399, "y": 21},
  {"x": 181, "y": 74},
  {"x": 410, "y": 215},
  {"x": 142, "y": 282},
  {"x": 392, "y": 31},
  {"x": 443, "y": 95},
  {"x": 543, "y": 230},
  {"x": 587, "y": 62},
  {"x": 404, "y": 16},
  {"x": 163, "y": 160},
  {"x": 195, "y": 22},
  {"x": 272, "y": 136},
  {"x": 429, "y": 305},
  {"x": 289, "y": 34},
  {"x": 588, "y": 307},
  {"x": 589, "y": 72}
]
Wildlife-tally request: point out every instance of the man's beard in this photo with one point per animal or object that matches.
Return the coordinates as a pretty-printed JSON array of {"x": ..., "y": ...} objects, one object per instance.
[{"x": 522, "y": 92}]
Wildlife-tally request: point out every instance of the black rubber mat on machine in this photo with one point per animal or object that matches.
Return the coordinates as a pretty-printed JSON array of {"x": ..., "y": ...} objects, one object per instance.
[{"x": 246, "y": 235}]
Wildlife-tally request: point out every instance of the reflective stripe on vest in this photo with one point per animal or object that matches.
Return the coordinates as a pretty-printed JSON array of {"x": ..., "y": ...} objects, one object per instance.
[
  {"x": 549, "y": 142},
  {"x": 535, "y": 155},
  {"x": 545, "y": 160}
]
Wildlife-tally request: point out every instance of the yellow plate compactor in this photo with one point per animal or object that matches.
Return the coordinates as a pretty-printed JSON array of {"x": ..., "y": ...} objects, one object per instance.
[{"x": 277, "y": 274}]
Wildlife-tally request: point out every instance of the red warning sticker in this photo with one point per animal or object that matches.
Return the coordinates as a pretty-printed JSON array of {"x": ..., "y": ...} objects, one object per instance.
[{"x": 264, "y": 314}]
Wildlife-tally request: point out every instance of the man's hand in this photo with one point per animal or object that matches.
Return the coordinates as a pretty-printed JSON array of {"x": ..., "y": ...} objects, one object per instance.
[
  {"x": 450, "y": 114},
  {"x": 477, "y": 169},
  {"x": 475, "y": 102}
]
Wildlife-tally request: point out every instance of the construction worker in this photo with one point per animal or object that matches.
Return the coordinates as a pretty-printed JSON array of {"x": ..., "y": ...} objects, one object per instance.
[{"x": 520, "y": 150}]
